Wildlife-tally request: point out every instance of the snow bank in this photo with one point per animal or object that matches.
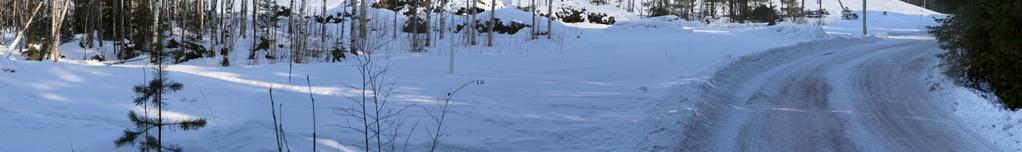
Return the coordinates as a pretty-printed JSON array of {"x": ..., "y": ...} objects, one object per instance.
[
  {"x": 664, "y": 24},
  {"x": 801, "y": 32},
  {"x": 980, "y": 111}
]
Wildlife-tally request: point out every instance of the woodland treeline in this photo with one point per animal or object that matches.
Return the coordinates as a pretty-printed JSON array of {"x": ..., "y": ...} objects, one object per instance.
[
  {"x": 297, "y": 32},
  {"x": 188, "y": 29},
  {"x": 184, "y": 29}
]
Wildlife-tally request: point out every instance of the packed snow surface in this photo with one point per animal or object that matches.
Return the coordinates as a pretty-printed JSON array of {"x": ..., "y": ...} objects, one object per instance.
[{"x": 625, "y": 87}]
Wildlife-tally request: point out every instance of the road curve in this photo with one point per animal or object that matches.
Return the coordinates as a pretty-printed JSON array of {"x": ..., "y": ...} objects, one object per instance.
[{"x": 862, "y": 95}]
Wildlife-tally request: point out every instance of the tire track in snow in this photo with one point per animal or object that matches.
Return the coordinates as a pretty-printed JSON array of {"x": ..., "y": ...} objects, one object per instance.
[{"x": 838, "y": 95}]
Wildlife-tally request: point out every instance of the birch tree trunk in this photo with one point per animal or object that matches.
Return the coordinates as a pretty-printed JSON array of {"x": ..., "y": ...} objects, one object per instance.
[
  {"x": 57, "y": 11},
  {"x": 443, "y": 19},
  {"x": 255, "y": 31},
  {"x": 21, "y": 33},
  {"x": 429, "y": 21},
  {"x": 363, "y": 31},
  {"x": 354, "y": 27},
  {"x": 322, "y": 29},
  {"x": 472, "y": 22},
  {"x": 242, "y": 18}
]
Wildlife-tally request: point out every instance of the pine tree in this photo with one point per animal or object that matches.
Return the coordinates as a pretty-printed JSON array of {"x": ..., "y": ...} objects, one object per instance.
[{"x": 150, "y": 96}]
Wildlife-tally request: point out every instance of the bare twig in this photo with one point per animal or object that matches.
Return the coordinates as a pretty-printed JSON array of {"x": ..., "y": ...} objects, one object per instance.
[
  {"x": 276, "y": 130},
  {"x": 308, "y": 82},
  {"x": 445, "y": 107}
]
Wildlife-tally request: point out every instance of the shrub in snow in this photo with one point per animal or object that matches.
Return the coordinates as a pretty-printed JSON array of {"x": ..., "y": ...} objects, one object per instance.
[
  {"x": 468, "y": 11},
  {"x": 573, "y": 15},
  {"x": 498, "y": 27},
  {"x": 762, "y": 14},
  {"x": 600, "y": 18},
  {"x": 570, "y": 15},
  {"x": 414, "y": 25},
  {"x": 186, "y": 51},
  {"x": 98, "y": 57}
]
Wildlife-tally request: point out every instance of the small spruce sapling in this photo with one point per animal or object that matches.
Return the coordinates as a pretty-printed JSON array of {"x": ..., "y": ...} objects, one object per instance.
[{"x": 150, "y": 97}]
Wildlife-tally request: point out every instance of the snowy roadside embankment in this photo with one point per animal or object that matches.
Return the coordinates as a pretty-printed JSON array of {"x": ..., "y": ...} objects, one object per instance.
[{"x": 981, "y": 112}]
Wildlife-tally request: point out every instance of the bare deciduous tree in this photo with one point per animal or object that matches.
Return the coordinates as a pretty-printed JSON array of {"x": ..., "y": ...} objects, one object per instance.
[{"x": 58, "y": 10}]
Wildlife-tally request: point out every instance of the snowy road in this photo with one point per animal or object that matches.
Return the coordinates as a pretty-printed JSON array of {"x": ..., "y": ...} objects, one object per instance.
[{"x": 842, "y": 95}]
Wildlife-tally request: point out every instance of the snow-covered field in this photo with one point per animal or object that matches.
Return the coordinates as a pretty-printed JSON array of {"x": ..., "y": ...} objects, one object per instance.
[
  {"x": 592, "y": 88},
  {"x": 587, "y": 94}
]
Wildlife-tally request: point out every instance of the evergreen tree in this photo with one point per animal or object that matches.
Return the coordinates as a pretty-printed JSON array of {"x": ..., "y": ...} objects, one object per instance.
[
  {"x": 150, "y": 96},
  {"x": 983, "y": 40},
  {"x": 268, "y": 12}
]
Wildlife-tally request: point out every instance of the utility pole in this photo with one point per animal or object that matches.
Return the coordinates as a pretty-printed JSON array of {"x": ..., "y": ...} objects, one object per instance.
[{"x": 864, "y": 18}]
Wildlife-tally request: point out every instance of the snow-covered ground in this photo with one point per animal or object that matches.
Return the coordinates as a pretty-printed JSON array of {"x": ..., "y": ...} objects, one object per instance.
[
  {"x": 592, "y": 88},
  {"x": 589, "y": 93},
  {"x": 980, "y": 111}
]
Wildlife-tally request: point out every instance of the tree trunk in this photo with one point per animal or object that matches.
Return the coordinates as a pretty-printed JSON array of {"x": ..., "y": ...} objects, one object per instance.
[
  {"x": 429, "y": 21},
  {"x": 532, "y": 9},
  {"x": 472, "y": 22},
  {"x": 242, "y": 18},
  {"x": 21, "y": 33},
  {"x": 255, "y": 31},
  {"x": 353, "y": 37},
  {"x": 493, "y": 10},
  {"x": 414, "y": 23},
  {"x": 57, "y": 13},
  {"x": 394, "y": 35},
  {"x": 549, "y": 19}
]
